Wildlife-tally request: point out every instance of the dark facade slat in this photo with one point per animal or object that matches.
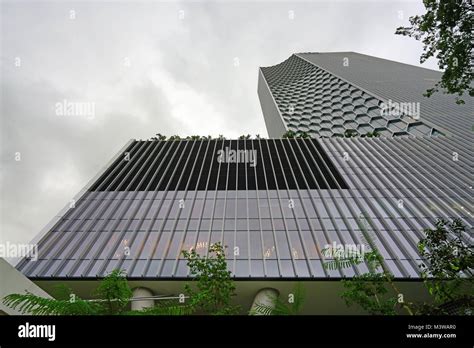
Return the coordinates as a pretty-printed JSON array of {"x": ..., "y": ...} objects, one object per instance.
[{"x": 135, "y": 203}]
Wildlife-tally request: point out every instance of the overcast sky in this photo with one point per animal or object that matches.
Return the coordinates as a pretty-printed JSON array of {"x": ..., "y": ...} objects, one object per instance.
[{"x": 151, "y": 67}]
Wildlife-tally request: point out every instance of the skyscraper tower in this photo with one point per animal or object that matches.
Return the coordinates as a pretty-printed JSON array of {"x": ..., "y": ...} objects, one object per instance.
[
  {"x": 277, "y": 203},
  {"x": 326, "y": 94}
]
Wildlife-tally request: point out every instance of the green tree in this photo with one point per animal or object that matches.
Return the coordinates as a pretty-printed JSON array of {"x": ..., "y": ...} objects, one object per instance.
[
  {"x": 447, "y": 274},
  {"x": 374, "y": 291},
  {"x": 350, "y": 133},
  {"x": 113, "y": 290},
  {"x": 194, "y": 137},
  {"x": 291, "y": 135},
  {"x": 448, "y": 267},
  {"x": 446, "y": 32},
  {"x": 159, "y": 136},
  {"x": 213, "y": 287},
  {"x": 371, "y": 291},
  {"x": 374, "y": 134},
  {"x": 115, "y": 293}
]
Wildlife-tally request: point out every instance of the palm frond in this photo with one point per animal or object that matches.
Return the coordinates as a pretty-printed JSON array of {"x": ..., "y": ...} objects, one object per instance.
[
  {"x": 260, "y": 309},
  {"x": 353, "y": 258},
  {"x": 163, "y": 310},
  {"x": 298, "y": 298},
  {"x": 36, "y": 305},
  {"x": 165, "y": 307}
]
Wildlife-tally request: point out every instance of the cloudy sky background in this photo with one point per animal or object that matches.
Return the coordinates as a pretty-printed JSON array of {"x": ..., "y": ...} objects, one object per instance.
[{"x": 181, "y": 79}]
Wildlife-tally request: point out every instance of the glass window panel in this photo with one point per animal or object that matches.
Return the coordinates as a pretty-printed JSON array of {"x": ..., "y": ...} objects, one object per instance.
[
  {"x": 241, "y": 268},
  {"x": 266, "y": 224},
  {"x": 264, "y": 212},
  {"x": 287, "y": 211},
  {"x": 136, "y": 246},
  {"x": 175, "y": 246},
  {"x": 169, "y": 225},
  {"x": 202, "y": 242},
  {"x": 275, "y": 208},
  {"x": 208, "y": 206},
  {"x": 181, "y": 225},
  {"x": 154, "y": 267},
  {"x": 189, "y": 241},
  {"x": 291, "y": 224},
  {"x": 296, "y": 248},
  {"x": 163, "y": 209},
  {"x": 149, "y": 245},
  {"x": 98, "y": 242},
  {"x": 219, "y": 209},
  {"x": 269, "y": 245},
  {"x": 287, "y": 268},
  {"x": 310, "y": 211},
  {"x": 229, "y": 244},
  {"x": 198, "y": 206},
  {"x": 175, "y": 208},
  {"x": 168, "y": 267},
  {"x": 317, "y": 267},
  {"x": 242, "y": 224},
  {"x": 192, "y": 224},
  {"x": 311, "y": 246},
  {"x": 229, "y": 224},
  {"x": 257, "y": 268},
  {"x": 255, "y": 245},
  {"x": 283, "y": 246},
  {"x": 272, "y": 268},
  {"x": 163, "y": 244},
  {"x": 216, "y": 236},
  {"x": 205, "y": 224},
  {"x": 278, "y": 224},
  {"x": 254, "y": 224},
  {"x": 298, "y": 209},
  {"x": 217, "y": 225},
  {"x": 304, "y": 225},
  {"x": 243, "y": 245},
  {"x": 253, "y": 208},
  {"x": 302, "y": 268},
  {"x": 158, "y": 225},
  {"x": 230, "y": 209},
  {"x": 145, "y": 224},
  {"x": 183, "y": 269},
  {"x": 242, "y": 208},
  {"x": 327, "y": 224}
]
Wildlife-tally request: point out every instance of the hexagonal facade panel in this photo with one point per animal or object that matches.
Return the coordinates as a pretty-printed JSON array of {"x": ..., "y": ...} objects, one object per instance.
[{"x": 302, "y": 91}]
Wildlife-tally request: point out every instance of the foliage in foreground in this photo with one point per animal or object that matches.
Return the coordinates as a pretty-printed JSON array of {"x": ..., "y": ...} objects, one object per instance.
[
  {"x": 214, "y": 288},
  {"x": 114, "y": 286},
  {"x": 161, "y": 137},
  {"x": 448, "y": 268},
  {"x": 447, "y": 274},
  {"x": 446, "y": 32},
  {"x": 113, "y": 295},
  {"x": 292, "y": 306}
]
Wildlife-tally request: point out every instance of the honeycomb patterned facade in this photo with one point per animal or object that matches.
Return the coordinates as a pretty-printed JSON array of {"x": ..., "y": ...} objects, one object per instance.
[{"x": 314, "y": 101}]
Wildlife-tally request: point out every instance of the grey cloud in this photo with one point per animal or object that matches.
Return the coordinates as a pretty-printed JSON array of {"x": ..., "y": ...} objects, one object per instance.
[{"x": 82, "y": 60}]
